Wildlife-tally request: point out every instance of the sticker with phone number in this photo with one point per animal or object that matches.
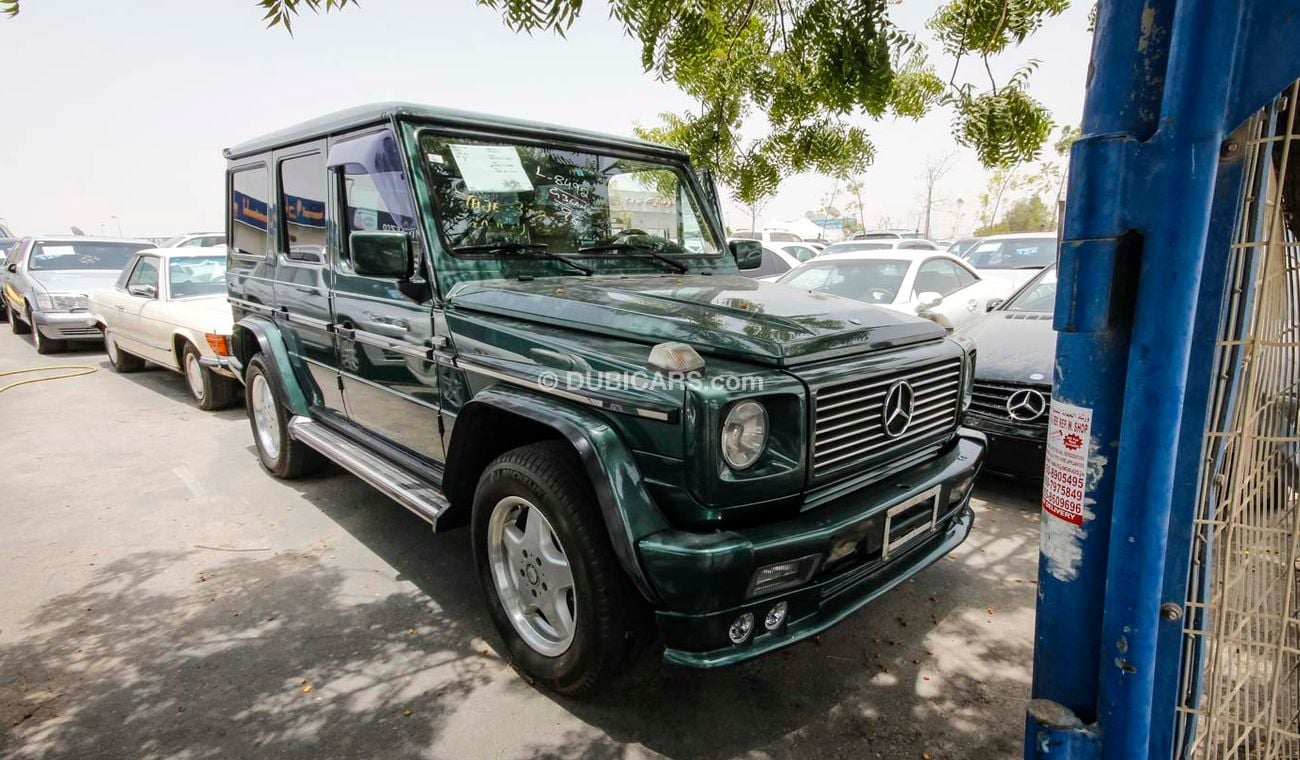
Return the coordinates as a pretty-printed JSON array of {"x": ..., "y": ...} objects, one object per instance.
[{"x": 1065, "y": 477}]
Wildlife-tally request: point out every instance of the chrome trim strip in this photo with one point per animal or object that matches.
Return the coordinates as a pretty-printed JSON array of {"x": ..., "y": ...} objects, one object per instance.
[
  {"x": 669, "y": 416},
  {"x": 319, "y": 324}
]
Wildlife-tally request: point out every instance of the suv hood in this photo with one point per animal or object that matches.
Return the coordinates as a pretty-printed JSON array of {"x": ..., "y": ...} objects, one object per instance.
[
  {"x": 73, "y": 280},
  {"x": 720, "y": 314}
]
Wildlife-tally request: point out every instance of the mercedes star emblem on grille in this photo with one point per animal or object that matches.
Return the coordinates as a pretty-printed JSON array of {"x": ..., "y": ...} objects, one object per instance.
[
  {"x": 897, "y": 413},
  {"x": 1026, "y": 405}
]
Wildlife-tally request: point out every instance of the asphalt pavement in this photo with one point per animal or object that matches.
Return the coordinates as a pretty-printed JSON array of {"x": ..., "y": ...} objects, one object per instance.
[{"x": 163, "y": 597}]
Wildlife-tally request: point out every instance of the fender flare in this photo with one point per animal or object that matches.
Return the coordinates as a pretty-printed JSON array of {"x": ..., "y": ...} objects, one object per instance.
[
  {"x": 628, "y": 511},
  {"x": 270, "y": 343}
]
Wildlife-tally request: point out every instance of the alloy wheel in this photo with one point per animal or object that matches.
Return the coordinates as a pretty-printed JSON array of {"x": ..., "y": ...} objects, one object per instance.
[{"x": 532, "y": 576}]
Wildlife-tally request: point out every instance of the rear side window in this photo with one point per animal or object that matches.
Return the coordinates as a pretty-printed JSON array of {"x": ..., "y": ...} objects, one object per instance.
[
  {"x": 249, "y": 192},
  {"x": 785, "y": 237},
  {"x": 772, "y": 264},
  {"x": 302, "y": 207}
]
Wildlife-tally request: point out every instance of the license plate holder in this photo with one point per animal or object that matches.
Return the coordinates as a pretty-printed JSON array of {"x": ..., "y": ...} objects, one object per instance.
[{"x": 927, "y": 526}]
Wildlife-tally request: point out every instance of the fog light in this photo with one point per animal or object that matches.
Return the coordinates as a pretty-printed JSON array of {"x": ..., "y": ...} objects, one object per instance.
[
  {"x": 782, "y": 575},
  {"x": 775, "y": 616},
  {"x": 741, "y": 628}
]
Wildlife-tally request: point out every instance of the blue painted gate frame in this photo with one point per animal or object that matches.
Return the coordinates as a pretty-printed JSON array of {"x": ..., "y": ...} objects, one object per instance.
[{"x": 1154, "y": 192}]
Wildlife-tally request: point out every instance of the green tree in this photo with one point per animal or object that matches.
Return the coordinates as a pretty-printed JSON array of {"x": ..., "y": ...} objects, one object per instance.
[
  {"x": 806, "y": 66},
  {"x": 1025, "y": 215}
]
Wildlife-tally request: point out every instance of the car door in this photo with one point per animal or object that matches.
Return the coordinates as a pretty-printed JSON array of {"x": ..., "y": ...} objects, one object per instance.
[
  {"x": 385, "y": 335},
  {"x": 954, "y": 283},
  {"x": 302, "y": 277},
  {"x": 142, "y": 287}
]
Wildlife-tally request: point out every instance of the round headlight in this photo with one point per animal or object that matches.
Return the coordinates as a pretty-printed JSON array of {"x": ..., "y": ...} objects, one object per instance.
[{"x": 744, "y": 434}]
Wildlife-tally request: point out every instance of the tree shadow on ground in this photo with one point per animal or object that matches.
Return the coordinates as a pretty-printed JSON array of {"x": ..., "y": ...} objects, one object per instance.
[
  {"x": 128, "y": 666},
  {"x": 266, "y": 657}
]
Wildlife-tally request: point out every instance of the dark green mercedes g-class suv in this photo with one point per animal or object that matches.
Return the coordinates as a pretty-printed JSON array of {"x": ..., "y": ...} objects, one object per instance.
[{"x": 542, "y": 332}]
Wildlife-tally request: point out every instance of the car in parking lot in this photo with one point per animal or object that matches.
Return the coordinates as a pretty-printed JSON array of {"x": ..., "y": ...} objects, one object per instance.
[
  {"x": 934, "y": 285},
  {"x": 1013, "y": 381},
  {"x": 634, "y": 432},
  {"x": 196, "y": 240},
  {"x": 169, "y": 308},
  {"x": 46, "y": 282},
  {"x": 878, "y": 244},
  {"x": 7, "y": 244},
  {"x": 1013, "y": 259}
]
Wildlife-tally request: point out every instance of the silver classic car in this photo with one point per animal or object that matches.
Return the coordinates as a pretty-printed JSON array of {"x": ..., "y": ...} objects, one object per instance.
[{"x": 46, "y": 282}]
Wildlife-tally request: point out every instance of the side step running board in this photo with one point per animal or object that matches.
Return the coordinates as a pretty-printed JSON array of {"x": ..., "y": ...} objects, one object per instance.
[{"x": 396, "y": 483}]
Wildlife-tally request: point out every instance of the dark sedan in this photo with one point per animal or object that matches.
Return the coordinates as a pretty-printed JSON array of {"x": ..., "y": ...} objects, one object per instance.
[{"x": 1013, "y": 377}]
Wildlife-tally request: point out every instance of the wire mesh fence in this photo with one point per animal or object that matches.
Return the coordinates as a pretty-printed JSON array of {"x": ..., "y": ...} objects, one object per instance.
[{"x": 1241, "y": 656}]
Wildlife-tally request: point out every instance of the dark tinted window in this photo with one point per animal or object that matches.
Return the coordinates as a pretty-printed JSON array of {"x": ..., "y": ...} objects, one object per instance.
[
  {"x": 72, "y": 254},
  {"x": 302, "y": 206},
  {"x": 249, "y": 210},
  {"x": 785, "y": 237},
  {"x": 748, "y": 235},
  {"x": 1027, "y": 253},
  {"x": 939, "y": 276},
  {"x": 772, "y": 264},
  {"x": 873, "y": 281}
]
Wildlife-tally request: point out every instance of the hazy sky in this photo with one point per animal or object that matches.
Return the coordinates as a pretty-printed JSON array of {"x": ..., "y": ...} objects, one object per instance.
[{"x": 121, "y": 109}]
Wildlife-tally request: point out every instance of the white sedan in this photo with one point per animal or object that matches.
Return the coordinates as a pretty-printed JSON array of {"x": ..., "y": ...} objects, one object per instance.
[
  {"x": 931, "y": 284},
  {"x": 169, "y": 308}
]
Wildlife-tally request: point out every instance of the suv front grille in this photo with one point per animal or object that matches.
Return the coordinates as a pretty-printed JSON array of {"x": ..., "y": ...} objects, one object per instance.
[
  {"x": 849, "y": 428},
  {"x": 990, "y": 400}
]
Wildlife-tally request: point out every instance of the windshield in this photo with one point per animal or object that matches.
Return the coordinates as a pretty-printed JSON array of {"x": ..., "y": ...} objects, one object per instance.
[
  {"x": 1038, "y": 296},
  {"x": 498, "y": 194},
  {"x": 191, "y": 276},
  {"x": 874, "y": 281},
  {"x": 1025, "y": 253},
  {"x": 72, "y": 254}
]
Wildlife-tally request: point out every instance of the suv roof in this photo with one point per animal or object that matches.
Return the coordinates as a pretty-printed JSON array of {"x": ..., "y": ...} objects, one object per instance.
[{"x": 376, "y": 113}]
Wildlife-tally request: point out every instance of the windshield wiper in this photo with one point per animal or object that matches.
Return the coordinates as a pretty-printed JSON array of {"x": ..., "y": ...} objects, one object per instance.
[
  {"x": 644, "y": 250},
  {"x": 538, "y": 249}
]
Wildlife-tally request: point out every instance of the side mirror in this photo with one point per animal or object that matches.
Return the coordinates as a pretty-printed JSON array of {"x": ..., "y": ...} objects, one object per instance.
[
  {"x": 144, "y": 291},
  {"x": 994, "y": 303},
  {"x": 929, "y": 299},
  {"x": 381, "y": 253},
  {"x": 748, "y": 253}
]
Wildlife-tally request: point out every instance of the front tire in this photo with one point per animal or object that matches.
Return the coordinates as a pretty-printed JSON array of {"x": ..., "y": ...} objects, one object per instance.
[
  {"x": 569, "y": 615},
  {"x": 210, "y": 390},
  {"x": 280, "y": 455},
  {"x": 43, "y": 344},
  {"x": 119, "y": 360}
]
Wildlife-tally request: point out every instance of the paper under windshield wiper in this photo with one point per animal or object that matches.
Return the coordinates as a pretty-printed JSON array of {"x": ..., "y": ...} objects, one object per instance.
[
  {"x": 538, "y": 249},
  {"x": 644, "y": 250}
]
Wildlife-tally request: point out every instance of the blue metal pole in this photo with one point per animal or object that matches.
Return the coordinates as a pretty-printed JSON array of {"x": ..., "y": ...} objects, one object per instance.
[
  {"x": 1093, "y": 316},
  {"x": 1174, "y": 210}
]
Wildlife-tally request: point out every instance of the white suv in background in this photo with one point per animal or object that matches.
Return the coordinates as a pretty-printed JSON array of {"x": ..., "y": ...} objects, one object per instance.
[{"x": 196, "y": 240}]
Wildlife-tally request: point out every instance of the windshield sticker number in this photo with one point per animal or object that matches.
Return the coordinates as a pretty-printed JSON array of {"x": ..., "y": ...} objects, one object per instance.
[{"x": 491, "y": 169}]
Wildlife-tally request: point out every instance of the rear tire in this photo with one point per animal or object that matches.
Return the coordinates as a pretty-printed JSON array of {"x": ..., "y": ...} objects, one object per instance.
[
  {"x": 119, "y": 360},
  {"x": 210, "y": 390},
  {"x": 279, "y": 454},
  {"x": 569, "y": 615}
]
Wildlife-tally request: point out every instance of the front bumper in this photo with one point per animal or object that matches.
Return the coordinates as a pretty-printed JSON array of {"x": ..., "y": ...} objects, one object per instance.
[
  {"x": 66, "y": 325},
  {"x": 704, "y": 579},
  {"x": 1014, "y": 450}
]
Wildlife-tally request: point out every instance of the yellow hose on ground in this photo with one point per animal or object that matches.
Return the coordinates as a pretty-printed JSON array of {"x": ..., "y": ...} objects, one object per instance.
[{"x": 78, "y": 371}]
